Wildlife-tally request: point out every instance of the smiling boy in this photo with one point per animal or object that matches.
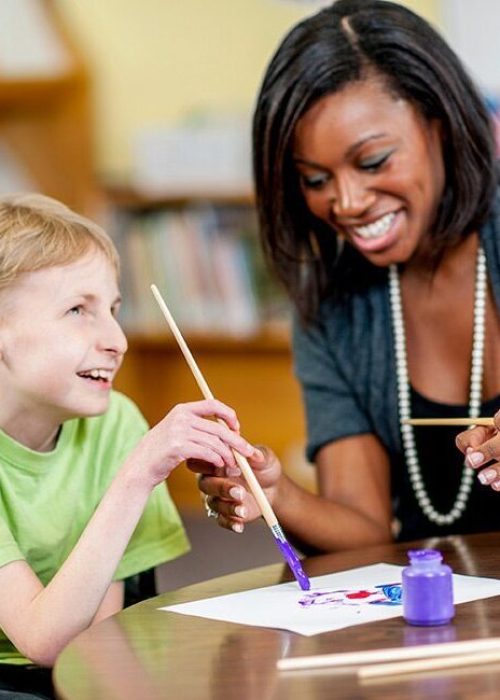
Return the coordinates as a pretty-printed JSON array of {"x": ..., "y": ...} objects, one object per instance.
[{"x": 82, "y": 499}]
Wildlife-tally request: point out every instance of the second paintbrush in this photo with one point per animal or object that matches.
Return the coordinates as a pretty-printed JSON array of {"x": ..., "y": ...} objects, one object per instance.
[{"x": 450, "y": 421}]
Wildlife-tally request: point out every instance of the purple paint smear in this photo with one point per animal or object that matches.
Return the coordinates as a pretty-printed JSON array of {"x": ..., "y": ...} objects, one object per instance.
[
  {"x": 382, "y": 594},
  {"x": 293, "y": 563}
]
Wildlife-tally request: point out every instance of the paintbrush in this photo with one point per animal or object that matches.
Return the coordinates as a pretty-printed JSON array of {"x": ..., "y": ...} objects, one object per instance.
[
  {"x": 450, "y": 421},
  {"x": 390, "y": 656},
  {"x": 254, "y": 486}
]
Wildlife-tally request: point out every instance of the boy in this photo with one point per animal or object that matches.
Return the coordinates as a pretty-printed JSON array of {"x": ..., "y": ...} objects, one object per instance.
[{"x": 82, "y": 499}]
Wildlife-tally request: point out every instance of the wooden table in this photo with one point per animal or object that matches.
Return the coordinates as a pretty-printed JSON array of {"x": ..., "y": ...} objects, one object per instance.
[{"x": 143, "y": 653}]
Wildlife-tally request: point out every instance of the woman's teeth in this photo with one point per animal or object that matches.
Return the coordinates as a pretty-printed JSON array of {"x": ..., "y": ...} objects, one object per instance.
[{"x": 376, "y": 229}]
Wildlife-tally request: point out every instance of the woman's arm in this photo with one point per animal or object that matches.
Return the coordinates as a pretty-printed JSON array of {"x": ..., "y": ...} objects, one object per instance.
[{"x": 353, "y": 508}]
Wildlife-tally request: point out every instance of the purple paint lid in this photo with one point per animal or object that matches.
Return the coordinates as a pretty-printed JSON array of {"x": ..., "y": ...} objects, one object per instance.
[{"x": 425, "y": 556}]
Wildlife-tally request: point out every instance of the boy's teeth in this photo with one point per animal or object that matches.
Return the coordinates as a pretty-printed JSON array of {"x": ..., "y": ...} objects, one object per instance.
[
  {"x": 99, "y": 374},
  {"x": 377, "y": 228}
]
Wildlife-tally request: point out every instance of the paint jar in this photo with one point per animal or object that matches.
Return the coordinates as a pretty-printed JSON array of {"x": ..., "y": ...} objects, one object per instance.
[{"x": 427, "y": 588}]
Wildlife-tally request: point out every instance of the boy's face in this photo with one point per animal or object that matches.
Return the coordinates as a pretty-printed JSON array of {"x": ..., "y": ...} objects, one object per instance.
[{"x": 60, "y": 343}]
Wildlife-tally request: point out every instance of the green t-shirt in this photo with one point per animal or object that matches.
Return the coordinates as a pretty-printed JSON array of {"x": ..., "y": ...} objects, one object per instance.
[{"x": 47, "y": 499}]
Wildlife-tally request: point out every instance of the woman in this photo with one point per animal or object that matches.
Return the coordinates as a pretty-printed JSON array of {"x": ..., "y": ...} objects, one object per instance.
[{"x": 376, "y": 188}]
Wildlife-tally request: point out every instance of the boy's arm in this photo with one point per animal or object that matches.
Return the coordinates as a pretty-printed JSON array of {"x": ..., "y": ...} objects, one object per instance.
[
  {"x": 112, "y": 602},
  {"x": 41, "y": 621}
]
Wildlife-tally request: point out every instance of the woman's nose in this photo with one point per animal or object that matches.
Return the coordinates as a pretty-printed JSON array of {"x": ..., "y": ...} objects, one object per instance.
[{"x": 350, "y": 198}]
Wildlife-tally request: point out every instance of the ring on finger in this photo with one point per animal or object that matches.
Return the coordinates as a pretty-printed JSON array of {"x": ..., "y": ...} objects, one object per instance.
[{"x": 211, "y": 513}]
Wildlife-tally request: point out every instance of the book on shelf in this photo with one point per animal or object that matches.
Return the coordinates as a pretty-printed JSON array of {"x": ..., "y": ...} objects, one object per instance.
[{"x": 207, "y": 264}]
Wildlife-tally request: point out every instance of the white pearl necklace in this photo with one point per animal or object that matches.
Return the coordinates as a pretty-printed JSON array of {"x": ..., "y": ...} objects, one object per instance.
[{"x": 476, "y": 378}]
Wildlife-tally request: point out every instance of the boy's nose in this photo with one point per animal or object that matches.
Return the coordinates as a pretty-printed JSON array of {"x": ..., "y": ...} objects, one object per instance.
[{"x": 113, "y": 338}]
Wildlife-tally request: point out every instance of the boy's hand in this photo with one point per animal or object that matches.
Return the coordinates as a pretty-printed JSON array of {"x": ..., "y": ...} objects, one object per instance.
[
  {"x": 481, "y": 447},
  {"x": 188, "y": 431},
  {"x": 226, "y": 493}
]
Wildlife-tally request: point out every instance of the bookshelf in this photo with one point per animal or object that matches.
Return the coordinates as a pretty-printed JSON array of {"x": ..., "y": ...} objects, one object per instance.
[
  {"x": 251, "y": 369},
  {"x": 45, "y": 120},
  {"x": 203, "y": 254}
]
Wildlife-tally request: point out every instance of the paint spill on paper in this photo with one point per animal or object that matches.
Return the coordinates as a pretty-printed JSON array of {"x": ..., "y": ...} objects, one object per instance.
[{"x": 381, "y": 594}]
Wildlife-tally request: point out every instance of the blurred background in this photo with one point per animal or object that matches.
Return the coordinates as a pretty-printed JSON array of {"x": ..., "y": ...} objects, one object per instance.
[{"x": 138, "y": 115}]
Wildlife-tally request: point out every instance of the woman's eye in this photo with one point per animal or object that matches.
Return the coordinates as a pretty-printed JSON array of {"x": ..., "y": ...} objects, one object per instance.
[
  {"x": 314, "y": 182},
  {"x": 373, "y": 164}
]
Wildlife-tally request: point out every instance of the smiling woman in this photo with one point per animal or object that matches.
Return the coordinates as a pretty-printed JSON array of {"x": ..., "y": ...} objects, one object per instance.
[{"x": 377, "y": 191}]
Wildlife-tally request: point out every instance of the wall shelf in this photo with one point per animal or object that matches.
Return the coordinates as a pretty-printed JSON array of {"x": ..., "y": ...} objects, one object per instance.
[{"x": 45, "y": 121}]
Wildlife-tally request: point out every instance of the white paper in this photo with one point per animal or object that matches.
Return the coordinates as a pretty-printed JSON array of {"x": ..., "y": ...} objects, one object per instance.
[{"x": 350, "y": 598}]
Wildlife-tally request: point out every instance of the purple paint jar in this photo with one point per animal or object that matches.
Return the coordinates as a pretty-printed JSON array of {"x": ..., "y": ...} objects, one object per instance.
[{"x": 427, "y": 589}]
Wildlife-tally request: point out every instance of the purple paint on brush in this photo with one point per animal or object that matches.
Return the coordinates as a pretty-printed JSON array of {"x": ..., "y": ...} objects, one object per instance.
[{"x": 293, "y": 562}]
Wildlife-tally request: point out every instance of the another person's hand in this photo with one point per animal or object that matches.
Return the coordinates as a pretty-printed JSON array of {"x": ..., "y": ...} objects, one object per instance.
[
  {"x": 481, "y": 447},
  {"x": 227, "y": 496}
]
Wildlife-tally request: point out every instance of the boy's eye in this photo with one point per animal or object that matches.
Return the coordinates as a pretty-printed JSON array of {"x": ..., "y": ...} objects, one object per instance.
[{"x": 76, "y": 310}]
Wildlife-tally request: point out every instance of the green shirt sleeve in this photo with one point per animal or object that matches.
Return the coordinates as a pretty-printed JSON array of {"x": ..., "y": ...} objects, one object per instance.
[{"x": 158, "y": 537}]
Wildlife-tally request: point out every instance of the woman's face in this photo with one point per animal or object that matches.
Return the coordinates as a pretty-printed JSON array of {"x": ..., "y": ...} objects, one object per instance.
[{"x": 371, "y": 166}]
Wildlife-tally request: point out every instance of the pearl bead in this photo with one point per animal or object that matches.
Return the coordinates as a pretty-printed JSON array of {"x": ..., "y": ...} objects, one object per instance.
[{"x": 403, "y": 385}]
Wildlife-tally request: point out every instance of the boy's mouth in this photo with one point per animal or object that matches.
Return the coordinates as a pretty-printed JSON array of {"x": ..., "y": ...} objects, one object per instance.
[{"x": 97, "y": 374}]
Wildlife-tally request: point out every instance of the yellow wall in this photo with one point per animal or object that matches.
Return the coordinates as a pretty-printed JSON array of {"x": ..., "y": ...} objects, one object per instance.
[{"x": 158, "y": 61}]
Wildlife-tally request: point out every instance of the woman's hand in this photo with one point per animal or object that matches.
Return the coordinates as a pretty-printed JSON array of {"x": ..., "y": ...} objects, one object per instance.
[
  {"x": 226, "y": 492},
  {"x": 481, "y": 447}
]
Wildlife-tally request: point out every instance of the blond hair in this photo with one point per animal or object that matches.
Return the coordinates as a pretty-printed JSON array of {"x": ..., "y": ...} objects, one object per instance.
[{"x": 38, "y": 232}]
